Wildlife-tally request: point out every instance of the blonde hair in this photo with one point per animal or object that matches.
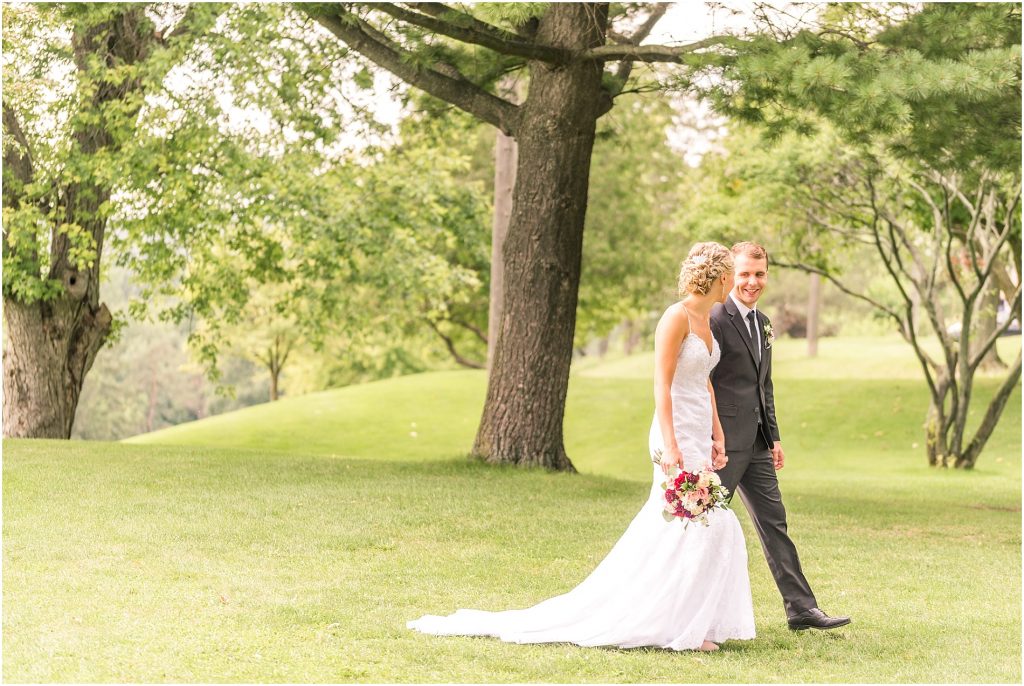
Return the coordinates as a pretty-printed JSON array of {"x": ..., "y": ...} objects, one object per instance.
[
  {"x": 705, "y": 263},
  {"x": 751, "y": 249}
]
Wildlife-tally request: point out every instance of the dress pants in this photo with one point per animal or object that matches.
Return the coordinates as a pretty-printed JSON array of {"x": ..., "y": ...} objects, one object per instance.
[{"x": 752, "y": 474}]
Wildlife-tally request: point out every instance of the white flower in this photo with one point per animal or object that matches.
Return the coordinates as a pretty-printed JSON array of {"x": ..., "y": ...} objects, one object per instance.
[{"x": 698, "y": 259}]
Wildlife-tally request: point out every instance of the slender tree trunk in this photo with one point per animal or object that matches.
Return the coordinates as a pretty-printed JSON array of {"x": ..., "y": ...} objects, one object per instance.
[
  {"x": 988, "y": 306},
  {"x": 936, "y": 429},
  {"x": 632, "y": 335},
  {"x": 813, "y": 315},
  {"x": 969, "y": 457},
  {"x": 153, "y": 395},
  {"x": 274, "y": 373},
  {"x": 202, "y": 405},
  {"x": 525, "y": 405}
]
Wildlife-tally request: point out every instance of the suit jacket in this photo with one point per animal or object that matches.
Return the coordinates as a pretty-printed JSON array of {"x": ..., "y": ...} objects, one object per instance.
[{"x": 744, "y": 393}]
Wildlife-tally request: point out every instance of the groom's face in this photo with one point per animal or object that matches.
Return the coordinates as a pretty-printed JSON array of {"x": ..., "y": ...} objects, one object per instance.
[{"x": 751, "y": 278}]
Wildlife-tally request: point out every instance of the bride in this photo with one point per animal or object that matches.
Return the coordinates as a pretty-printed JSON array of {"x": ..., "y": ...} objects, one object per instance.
[{"x": 662, "y": 584}]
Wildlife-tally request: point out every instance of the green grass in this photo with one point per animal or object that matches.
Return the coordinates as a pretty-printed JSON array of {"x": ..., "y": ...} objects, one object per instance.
[{"x": 295, "y": 545}]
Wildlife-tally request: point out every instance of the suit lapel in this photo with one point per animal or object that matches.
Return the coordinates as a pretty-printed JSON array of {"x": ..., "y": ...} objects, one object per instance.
[
  {"x": 741, "y": 327},
  {"x": 765, "y": 352}
]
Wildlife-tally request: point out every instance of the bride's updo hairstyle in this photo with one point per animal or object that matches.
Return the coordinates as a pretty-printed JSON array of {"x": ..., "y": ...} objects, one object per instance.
[{"x": 705, "y": 263}]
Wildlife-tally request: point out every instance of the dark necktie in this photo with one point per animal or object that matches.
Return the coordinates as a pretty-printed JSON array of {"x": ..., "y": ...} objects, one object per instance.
[{"x": 752, "y": 329}]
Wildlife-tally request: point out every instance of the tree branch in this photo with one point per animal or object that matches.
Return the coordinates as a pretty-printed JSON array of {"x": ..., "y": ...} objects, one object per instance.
[
  {"x": 656, "y": 53},
  {"x": 451, "y": 348},
  {"x": 451, "y": 15},
  {"x": 469, "y": 327},
  {"x": 626, "y": 66},
  {"x": 841, "y": 286},
  {"x": 491, "y": 37},
  {"x": 991, "y": 418},
  {"x": 17, "y": 158},
  {"x": 197, "y": 18},
  {"x": 376, "y": 47},
  {"x": 982, "y": 350}
]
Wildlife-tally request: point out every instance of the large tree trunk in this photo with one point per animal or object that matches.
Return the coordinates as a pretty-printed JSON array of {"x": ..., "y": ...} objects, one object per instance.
[
  {"x": 522, "y": 417},
  {"x": 49, "y": 349}
]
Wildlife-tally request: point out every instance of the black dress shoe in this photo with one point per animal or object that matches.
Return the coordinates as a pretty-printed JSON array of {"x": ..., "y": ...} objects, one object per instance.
[{"x": 816, "y": 619}]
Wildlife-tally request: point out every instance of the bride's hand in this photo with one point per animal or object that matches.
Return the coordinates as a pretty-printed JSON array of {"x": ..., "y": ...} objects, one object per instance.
[
  {"x": 671, "y": 459},
  {"x": 718, "y": 457},
  {"x": 719, "y": 460}
]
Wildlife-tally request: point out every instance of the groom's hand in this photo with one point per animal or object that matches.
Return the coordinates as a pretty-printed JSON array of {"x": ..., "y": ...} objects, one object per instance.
[{"x": 778, "y": 457}]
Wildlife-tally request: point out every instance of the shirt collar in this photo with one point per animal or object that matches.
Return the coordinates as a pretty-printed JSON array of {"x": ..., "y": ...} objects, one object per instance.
[{"x": 741, "y": 308}]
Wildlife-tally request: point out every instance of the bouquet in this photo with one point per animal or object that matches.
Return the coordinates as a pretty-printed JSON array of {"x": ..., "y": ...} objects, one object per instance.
[{"x": 691, "y": 496}]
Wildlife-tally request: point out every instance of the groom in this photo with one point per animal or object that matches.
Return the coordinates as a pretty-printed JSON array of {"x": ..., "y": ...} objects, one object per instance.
[{"x": 746, "y": 407}]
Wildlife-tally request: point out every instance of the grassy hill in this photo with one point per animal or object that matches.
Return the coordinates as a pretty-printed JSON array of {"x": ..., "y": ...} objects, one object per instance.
[
  {"x": 856, "y": 390},
  {"x": 291, "y": 542}
]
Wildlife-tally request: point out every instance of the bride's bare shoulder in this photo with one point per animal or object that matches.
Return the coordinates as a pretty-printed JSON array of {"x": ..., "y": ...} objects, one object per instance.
[{"x": 674, "y": 320}]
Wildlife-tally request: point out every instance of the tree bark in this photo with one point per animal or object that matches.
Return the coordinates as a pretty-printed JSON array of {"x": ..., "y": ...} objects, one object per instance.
[
  {"x": 523, "y": 412},
  {"x": 505, "y": 156},
  {"x": 988, "y": 307},
  {"x": 49, "y": 349}
]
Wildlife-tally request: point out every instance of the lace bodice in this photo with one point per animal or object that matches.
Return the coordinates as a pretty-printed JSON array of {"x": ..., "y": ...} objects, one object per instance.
[
  {"x": 694, "y": 364},
  {"x": 691, "y": 403}
]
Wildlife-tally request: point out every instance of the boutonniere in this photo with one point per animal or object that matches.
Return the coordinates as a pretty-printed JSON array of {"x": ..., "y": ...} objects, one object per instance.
[{"x": 769, "y": 335}]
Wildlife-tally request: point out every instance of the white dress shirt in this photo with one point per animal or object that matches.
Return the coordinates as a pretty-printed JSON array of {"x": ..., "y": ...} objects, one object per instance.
[{"x": 744, "y": 310}]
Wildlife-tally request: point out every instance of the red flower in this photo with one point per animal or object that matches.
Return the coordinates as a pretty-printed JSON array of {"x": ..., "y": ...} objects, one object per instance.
[{"x": 692, "y": 478}]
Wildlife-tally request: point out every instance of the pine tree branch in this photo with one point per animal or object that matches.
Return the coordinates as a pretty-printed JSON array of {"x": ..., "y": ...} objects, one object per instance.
[
  {"x": 626, "y": 65},
  {"x": 657, "y": 53},
  {"x": 451, "y": 87},
  {"x": 492, "y": 38},
  {"x": 439, "y": 10}
]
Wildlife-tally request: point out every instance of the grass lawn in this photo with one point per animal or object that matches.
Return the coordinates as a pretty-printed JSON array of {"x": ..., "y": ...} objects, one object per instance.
[{"x": 292, "y": 542}]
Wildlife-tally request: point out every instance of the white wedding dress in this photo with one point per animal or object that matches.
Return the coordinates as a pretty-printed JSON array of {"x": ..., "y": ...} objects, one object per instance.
[{"x": 662, "y": 584}]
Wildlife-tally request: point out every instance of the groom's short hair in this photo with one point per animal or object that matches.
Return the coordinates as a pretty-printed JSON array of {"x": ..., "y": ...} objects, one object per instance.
[{"x": 751, "y": 250}]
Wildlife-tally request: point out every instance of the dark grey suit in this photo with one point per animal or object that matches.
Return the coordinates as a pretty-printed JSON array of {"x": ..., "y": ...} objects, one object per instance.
[{"x": 746, "y": 407}]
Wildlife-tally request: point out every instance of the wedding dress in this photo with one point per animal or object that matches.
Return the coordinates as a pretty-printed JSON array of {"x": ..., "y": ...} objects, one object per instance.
[{"x": 662, "y": 584}]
